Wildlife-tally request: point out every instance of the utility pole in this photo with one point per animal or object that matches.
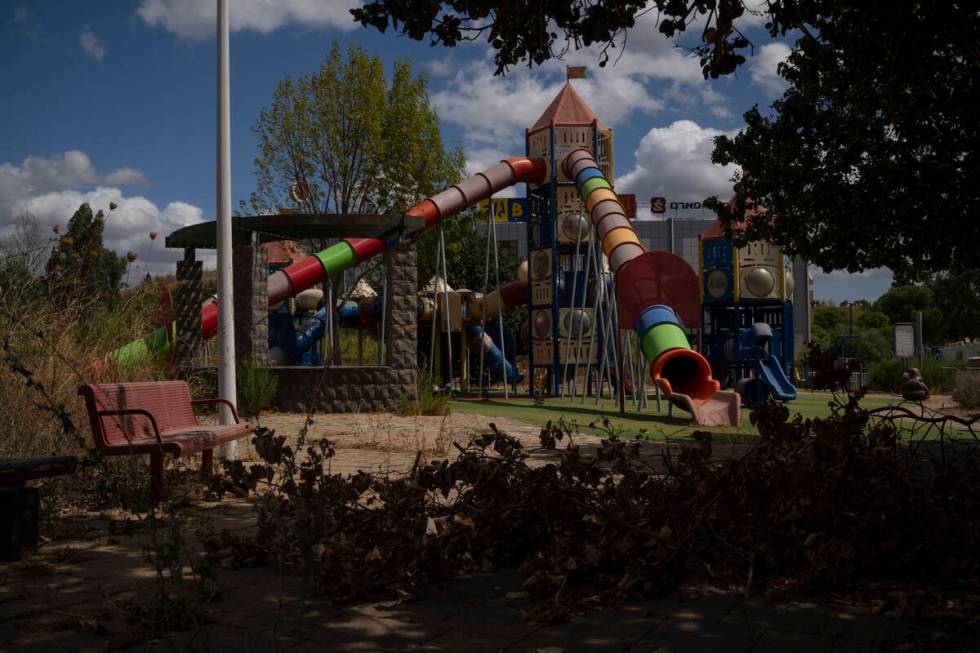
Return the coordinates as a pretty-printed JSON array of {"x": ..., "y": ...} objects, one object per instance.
[
  {"x": 919, "y": 340},
  {"x": 226, "y": 306}
]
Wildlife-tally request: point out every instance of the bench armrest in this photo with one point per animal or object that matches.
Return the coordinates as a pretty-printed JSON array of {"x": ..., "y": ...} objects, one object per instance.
[
  {"x": 234, "y": 411},
  {"x": 135, "y": 411}
]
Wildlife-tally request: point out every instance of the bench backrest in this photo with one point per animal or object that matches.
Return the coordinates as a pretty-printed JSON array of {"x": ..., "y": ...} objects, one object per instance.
[{"x": 168, "y": 401}]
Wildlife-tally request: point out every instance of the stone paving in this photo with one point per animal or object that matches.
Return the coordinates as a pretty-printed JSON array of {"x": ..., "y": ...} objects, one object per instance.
[{"x": 80, "y": 591}]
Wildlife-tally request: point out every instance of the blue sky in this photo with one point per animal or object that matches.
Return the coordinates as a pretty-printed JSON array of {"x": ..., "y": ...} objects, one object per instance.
[{"x": 115, "y": 101}]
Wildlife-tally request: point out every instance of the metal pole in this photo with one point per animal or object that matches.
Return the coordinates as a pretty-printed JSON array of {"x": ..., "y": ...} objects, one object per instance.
[
  {"x": 445, "y": 298},
  {"x": 596, "y": 319},
  {"x": 919, "y": 340},
  {"x": 578, "y": 339},
  {"x": 485, "y": 390},
  {"x": 383, "y": 340},
  {"x": 571, "y": 313},
  {"x": 226, "y": 306},
  {"x": 500, "y": 313},
  {"x": 434, "y": 332}
]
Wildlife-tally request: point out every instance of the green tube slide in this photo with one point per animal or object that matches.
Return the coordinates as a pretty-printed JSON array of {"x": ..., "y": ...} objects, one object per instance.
[
  {"x": 591, "y": 185},
  {"x": 663, "y": 337},
  {"x": 337, "y": 258}
]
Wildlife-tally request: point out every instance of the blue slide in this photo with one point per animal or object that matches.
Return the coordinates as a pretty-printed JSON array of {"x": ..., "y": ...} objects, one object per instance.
[
  {"x": 771, "y": 372},
  {"x": 494, "y": 358},
  {"x": 767, "y": 370}
]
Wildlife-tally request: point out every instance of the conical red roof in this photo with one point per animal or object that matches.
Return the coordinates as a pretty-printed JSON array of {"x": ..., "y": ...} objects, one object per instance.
[{"x": 568, "y": 108}]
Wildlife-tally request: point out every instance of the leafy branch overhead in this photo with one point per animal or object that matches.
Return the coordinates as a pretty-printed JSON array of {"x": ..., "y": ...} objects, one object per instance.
[
  {"x": 533, "y": 32},
  {"x": 870, "y": 157}
]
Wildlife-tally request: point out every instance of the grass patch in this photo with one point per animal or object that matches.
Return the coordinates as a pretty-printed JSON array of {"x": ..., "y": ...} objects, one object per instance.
[{"x": 649, "y": 423}]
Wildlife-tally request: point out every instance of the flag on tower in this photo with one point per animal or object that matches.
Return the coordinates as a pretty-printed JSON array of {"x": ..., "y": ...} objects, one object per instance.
[{"x": 575, "y": 72}]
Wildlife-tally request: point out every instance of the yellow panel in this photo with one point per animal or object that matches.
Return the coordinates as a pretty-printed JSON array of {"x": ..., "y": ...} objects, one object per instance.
[
  {"x": 597, "y": 196},
  {"x": 617, "y": 237}
]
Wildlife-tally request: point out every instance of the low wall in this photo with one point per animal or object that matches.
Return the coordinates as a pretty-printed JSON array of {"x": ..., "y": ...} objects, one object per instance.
[{"x": 342, "y": 389}]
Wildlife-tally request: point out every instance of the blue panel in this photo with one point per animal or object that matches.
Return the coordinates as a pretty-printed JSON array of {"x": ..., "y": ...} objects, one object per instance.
[
  {"x": 718, "y": 255},
  {"x": 585, "y": 175},
  {"x": 657, "y": 314}
]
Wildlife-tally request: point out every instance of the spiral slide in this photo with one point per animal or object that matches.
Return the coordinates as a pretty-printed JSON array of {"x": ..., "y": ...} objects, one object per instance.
[
  {"x": 348, "y": 253},
  {"x": 680, "y": 372}
]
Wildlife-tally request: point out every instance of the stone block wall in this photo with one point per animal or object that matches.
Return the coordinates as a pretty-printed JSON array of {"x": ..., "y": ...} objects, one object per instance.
[
  {"x": 187, "y": 311},
  {"x": 251, "y": 267}
]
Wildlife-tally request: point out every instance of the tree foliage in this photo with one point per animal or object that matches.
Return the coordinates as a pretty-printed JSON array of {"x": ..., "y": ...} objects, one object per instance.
[
  {"x": 870, "y": 157},
  {"x": 81, "y": 264},
  {"x": 533, "y": 32},
  {"x": 360, "y": 144}
]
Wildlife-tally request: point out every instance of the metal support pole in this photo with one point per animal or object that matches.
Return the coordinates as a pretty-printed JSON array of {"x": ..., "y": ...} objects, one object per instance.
[
  {"x": 434, "y": 331},
  {"x": 383, "y": 340},
  {"x": 445, "y": 300},
  {"x": 483, "y": 317},
  {"x": 226, "y": 290},
  {"x": 568, "y": 340},
  {"x": 500, "y": 310},
  {"x": 596, "y": 320},
  {"x": 578, "y": 340}
]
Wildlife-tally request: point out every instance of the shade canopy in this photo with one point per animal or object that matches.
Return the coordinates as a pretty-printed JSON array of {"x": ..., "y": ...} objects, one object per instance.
[{"x": 294, "y": 226}]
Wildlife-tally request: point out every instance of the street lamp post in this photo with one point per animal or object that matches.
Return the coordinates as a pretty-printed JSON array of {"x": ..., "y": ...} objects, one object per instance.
[{"x": 226, "y": 307}]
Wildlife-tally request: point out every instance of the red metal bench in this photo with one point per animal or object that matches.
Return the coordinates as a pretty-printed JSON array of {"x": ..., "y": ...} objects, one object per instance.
[{"x": 155, "y": 418}]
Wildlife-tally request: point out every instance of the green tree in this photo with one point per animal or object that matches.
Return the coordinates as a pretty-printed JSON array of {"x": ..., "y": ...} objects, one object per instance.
[
  {"x": 359, "y": 144},
  {"x": 900, "y": 304},
  {"x": 828, "y": 317},
  {"x": 80, "y": 265},
  {"x": 870, "y": 157},
  {"x": 870, "y": 318},
  {"x": 957, "y": 296},
  {"x": 820, "y": 336}
]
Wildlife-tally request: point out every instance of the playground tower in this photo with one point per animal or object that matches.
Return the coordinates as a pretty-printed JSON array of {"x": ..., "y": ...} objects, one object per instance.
[
  {"x": 562, "y": 323},
  {"x": 747, "y": 313}
]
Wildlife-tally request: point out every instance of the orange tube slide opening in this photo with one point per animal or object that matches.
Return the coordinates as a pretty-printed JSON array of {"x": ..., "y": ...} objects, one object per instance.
[{"x": 684, "y": 371}]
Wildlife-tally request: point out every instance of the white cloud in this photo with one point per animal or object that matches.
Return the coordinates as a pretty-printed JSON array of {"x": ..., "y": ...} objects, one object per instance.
[
  {"x": 92, "y": 44},
  {"x": 52, "y": 188},
  {"x": 873, "y": 273},
  {"x": 37, "y": 175},
  {"x": 675, "y": 162},
  {"x": 127, "y": 227},
  {"x": 126, "y": 176},
  {"x": 195, "y": 19},
  {"x": 495, "y": 110},
  {"x": 764, "y": 67}
]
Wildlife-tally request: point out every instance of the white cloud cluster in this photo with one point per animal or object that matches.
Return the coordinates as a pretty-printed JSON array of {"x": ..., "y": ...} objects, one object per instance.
[
  {"x": 37, "y": 175},
  {"x": 494, "y": 110},
  {"x": 675, "y": 162},
  {"x": 92, "y": 45},
  {"x": 52, "y": 188},
  {"x": 195, "y": 19},
  {"x": 764, "y": 67}
]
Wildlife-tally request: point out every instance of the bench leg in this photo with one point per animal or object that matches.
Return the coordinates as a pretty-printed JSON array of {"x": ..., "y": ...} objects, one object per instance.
[
  {"x": 156, "y": 475},
  {"x": 207, "y": 462}
]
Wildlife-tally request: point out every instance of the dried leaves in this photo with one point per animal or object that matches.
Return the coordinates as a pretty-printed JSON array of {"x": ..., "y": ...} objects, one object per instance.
[{"x": 823, "y": 504}]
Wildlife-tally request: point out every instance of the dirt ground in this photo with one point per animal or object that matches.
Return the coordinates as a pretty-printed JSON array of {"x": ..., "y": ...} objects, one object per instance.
[{"x": 90, "y": 586}]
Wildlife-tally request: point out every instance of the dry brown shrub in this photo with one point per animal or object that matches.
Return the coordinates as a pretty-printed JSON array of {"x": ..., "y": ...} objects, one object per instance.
[{"x": 967, "y": 392}]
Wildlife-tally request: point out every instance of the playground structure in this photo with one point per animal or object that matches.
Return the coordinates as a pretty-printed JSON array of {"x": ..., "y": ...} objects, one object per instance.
[
  {"x": 603, "y": 311},
  {"x": 747, "y": 315}
]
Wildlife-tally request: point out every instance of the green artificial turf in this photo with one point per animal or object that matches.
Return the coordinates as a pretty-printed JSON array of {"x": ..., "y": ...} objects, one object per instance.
[{"x": 648, "y": 423}]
